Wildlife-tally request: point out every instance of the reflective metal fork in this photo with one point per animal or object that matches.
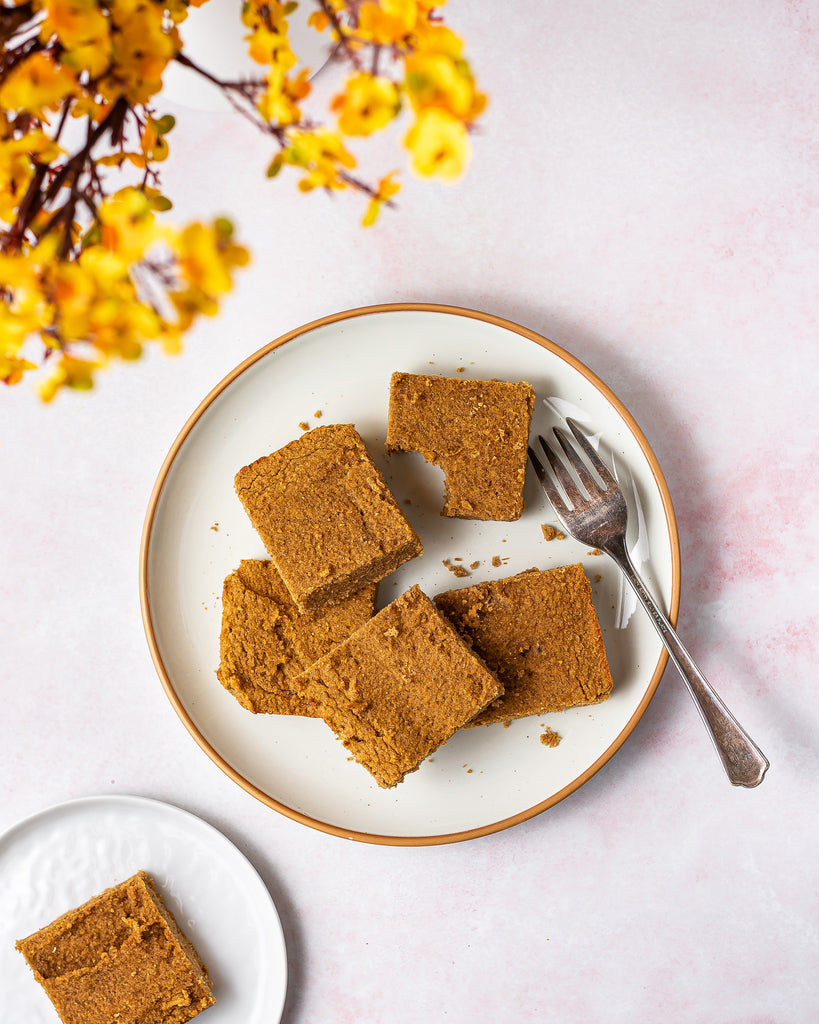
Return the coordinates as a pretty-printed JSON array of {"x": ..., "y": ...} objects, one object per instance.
[{"x": 598, "y": 518}]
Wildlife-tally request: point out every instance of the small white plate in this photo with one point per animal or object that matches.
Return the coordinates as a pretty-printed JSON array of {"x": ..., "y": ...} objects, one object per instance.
[
  {"x": 61, "y": 857},
  {"x": 196, "y": 532}
]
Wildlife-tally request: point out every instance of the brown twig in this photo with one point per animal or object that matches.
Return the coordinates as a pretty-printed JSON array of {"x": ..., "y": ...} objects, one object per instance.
[
  {"x": 343, "y": 35},
  {"x": 246, "y": 90}
]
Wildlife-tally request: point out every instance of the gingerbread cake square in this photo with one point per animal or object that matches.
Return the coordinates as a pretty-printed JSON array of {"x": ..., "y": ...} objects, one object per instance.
[
  {"x": 119, "y": 957},
  {"x": 326, "y": 515},
  {"x": 266, "y": 640},
  {"x": 477, "y": 431},
  {"x": 538, "y": 632},
  {"x": 398, "y": 687}
]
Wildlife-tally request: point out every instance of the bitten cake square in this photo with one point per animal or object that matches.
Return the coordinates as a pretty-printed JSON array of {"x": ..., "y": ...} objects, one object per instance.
[
  {"x": 477, "y": 431},
  {"x": 326, "y": 515},
  {"x": 538, "y": 632},
  {"x": 119, "y": 957},
  {"x": 398, "y": 687},
  {"x": 266, "y": 640}
]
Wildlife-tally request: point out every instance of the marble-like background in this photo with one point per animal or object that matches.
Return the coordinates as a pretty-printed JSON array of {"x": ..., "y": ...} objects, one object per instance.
[{"x": 645, "y": 192}]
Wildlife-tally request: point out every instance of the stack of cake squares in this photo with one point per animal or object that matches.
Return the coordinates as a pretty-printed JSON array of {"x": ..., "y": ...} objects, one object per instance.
[{"x": 300, "y": 631}]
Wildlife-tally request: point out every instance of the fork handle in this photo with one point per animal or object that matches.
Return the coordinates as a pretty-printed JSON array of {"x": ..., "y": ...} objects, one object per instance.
[{"x": 742, "y": 759}]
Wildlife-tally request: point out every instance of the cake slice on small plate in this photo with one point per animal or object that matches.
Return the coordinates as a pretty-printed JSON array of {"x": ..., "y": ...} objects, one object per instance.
[{"x": 120, "y": 957}]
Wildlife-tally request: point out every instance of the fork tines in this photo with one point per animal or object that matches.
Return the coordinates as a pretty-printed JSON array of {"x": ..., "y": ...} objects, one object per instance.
[
  {"x": 563, "y": 476},
  {"x": 546, "y": 483}
]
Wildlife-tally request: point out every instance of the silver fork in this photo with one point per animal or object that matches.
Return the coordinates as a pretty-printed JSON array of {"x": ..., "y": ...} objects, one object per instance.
[{"x": 598, "y": 518}]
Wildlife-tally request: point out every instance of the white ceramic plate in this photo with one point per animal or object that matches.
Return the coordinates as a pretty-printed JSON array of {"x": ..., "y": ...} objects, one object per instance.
[
  {"x": 196, "y": 532},
  {"x": 61, "y": 857}
]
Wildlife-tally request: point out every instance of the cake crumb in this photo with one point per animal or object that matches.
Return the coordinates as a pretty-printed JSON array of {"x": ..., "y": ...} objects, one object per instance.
[
  {"x": 594, "y": 551},
  {"x": 474, "y": 565},
  {"x": 496, "y": 561},
  {"x": 317, "y": 414},
  {"x": 598, "y": 577},
  {"x": 215, "y": 527},
  {"x": 550, "y": 738},
  {"x": 551, "y": 533},
  {"x": 456, "y": 570},
  {"x": 303, "y": 425}
]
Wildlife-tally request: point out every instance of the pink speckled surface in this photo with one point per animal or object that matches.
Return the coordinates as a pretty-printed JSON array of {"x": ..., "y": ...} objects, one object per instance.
[{"x": 645, "y": 192}]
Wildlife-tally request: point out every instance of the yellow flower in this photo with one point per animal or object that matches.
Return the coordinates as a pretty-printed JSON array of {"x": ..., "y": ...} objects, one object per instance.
[
  {"x": 127, "y": 224},
  {"x": 95, "y": 279},
  {"x": 86, "y": 106},
  {"x": 279, "y": 104},
  {"x": 76, "y": 23},
  {"x": 142, "y": 46},
  {"x": 17, "y": 158},
  {"x": 368, "y": 104},
  {"x": 439, "y": 146},
  {"x": 36, "y": 85},
  {"x": 387, "y": 188},
  {"x": 387, "y": 22},
  {"x": 152, "y": 140},
  {"x": 93, "y": 57},
  {"x": 96, "y": 304},
  {"x": 267, "y": 46},
  {"x": 71, "y": 290},
  {"x": 199, "y": 259},
  {"x": 263, "y": 12},
  {"x": 14, "y": 330},
  {"x": 22, "y": 273},
  {"x": 436, "y": 80},
  {"x": 178, "y": 9},
  {"x": 69, "y": 372},
  {"x": 320, "y": 153},
  {"x": 206, "y": 255},
  {"x": 12, "y": 368},
  {"x": 319, "y": 20},
  {"x": 432, "y": 36},
  {"x": 188, "y": 304}
]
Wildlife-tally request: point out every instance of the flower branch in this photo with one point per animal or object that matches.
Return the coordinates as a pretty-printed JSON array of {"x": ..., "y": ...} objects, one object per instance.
[{"x": 89, "y": 269}]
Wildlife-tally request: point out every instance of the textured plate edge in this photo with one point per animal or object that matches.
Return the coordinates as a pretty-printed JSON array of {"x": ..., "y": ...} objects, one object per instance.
[
  {"x": 234, "y": 774},
  {"x": 163, "y": 806}
]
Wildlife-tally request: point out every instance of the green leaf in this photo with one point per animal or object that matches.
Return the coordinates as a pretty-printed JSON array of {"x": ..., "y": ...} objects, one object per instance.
[{"x": 93, "y": 236}]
